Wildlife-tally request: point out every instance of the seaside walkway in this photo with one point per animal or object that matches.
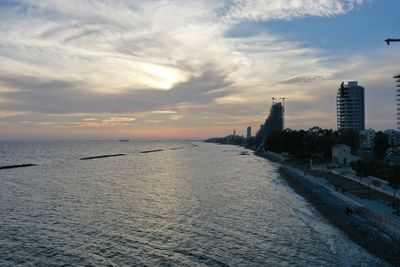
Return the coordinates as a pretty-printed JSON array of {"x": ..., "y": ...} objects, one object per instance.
[
  {"x": 371, "y": 182},
  {"x": 322, "y": 182},
  {"x": 371, "y": 210}
]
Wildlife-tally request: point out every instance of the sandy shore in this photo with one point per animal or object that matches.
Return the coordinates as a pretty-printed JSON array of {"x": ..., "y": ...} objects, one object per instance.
[{"x": 333, "y": 208}]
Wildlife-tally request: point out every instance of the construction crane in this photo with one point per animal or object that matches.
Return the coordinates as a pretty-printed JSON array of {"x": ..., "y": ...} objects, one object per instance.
[
  {"x": 283, "y": 101},
  {"x": 389, "y": 40}
]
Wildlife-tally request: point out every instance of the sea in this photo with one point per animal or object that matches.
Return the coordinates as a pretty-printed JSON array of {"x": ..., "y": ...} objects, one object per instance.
[{"x": 186, "y": 204}]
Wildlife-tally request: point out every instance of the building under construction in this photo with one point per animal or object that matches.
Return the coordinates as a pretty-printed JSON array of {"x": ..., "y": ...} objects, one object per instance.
[
  {"x": 350, "y": 107},
  {"x": 397, "y": 77},
  {"x": 274, "y": 121}
]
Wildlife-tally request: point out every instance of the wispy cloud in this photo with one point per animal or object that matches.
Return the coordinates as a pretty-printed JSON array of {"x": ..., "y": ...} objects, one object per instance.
[
  {"x": 169, "y": 60},
  {"x": 260, "y": 10},
  {"x": 305, "y": 79}
]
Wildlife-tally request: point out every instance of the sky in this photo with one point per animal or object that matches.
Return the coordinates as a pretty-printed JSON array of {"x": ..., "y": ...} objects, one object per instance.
[{"x": 173, "y": 69}]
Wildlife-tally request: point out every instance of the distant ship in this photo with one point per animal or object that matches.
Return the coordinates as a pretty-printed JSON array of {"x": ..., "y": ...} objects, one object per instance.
[{"x": 124, "y": 140}]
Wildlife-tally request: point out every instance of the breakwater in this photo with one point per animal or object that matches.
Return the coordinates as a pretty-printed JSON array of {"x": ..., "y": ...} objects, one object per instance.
[
  {"x": 176, "y": 148},
  {"x": 271, "y": 156},
  {"x": 151, "y": 151},
  {"x": 16, "y": 166},
  {"x": 103, "y": 156}
]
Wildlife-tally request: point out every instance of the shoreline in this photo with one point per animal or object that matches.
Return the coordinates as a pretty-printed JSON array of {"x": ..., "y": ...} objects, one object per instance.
[{"x": 333, "y": 208}]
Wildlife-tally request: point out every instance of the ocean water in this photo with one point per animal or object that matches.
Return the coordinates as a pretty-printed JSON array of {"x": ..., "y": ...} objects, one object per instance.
[{"x": 202, "y": 205}]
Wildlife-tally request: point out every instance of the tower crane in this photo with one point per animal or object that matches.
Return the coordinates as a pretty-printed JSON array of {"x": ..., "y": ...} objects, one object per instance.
[{"x": 390, "y": 40}]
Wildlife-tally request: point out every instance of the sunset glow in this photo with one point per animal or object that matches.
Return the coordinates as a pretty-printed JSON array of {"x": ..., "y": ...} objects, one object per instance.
[{"x": 205, "y": 61}]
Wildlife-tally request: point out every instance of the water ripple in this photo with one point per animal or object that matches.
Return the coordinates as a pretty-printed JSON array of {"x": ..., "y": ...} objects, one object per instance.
[{"x": 192, "y": 206}]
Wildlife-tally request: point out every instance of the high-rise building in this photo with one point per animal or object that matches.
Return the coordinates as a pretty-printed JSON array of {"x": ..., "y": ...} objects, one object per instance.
[
  {"x": 397, "y": 77},
  {"x": 350, "y": 107},
  {"x": 274, "y": 122},
  {"x": 393, "y": 137},
  {"x": 248, "y": 132}
]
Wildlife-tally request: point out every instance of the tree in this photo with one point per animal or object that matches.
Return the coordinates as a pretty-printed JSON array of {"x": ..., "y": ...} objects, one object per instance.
[
  {"x": 314, "y": 141},
  {"x": 394, "y": 182},
  {"x": 349, "y": 137},
  {"x": 381, "y": 144},
  {"x": 361, "y": 168},
  {"x": 274, "y": 142},
  {"x": 394, "y": 177},
  {"x": 290, "y": 141}
]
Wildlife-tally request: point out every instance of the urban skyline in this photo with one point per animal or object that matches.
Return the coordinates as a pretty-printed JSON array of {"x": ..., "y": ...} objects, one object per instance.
[
  {"x": 174, "y": 69},
  {"x": 200, "y": 132}
]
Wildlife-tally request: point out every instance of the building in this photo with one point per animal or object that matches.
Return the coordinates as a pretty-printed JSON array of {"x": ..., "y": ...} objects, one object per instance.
[
  {"x": 350, "y": 107},
  {"x": 248, "y": 132},
  {"x": 274, "y": 122},
  {"x": 366, "y": 143},
  {"x": 393, "y": 137},
  {"x": 341, "y": 155},
  {"x": 367, "y": 138},
  {"x": 397, "y": 77}
]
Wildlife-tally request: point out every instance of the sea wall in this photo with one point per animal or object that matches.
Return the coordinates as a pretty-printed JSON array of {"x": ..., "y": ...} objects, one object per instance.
[
  {"x": 271, "y": 156},
  {"x": 387, "y": 224},
  {"x": 333, "y": 208}
]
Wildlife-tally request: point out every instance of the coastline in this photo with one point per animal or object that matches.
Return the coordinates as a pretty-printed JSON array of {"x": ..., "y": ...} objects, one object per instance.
[{"x": 332, "y": 208}]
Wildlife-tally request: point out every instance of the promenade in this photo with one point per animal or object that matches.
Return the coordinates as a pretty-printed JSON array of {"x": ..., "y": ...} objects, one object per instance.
[
  {"x": 374, "y": 183},
  {"x": 377, "y": 212},
  {"x": 371, "y": 225}
]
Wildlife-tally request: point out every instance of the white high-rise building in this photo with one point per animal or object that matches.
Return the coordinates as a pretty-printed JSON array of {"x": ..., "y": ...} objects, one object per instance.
[
  {"x": 397, "y": 77},
  {"x": 350, "y": 107}
]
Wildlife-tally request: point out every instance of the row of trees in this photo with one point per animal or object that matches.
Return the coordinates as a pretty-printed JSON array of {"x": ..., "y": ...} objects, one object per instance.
[
  {"x": 317, "y": 142},
  {"x": 378, "y": 168},
  {"x": 320, "y": 141},
  {"x": 381, "y": 145},
  {"x": 314, "y": 141}
]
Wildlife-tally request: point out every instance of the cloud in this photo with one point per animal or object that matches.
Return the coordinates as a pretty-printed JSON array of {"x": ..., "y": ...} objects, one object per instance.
[
  {"x": 305, "y": 79},
  {"x": 176, "y": 117},
  {"x": 119, "y": 120},
  {"x": 63, "y": 97},
  {"x": 260, "y": 10},
  {"x": 158, "y": 61}
]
